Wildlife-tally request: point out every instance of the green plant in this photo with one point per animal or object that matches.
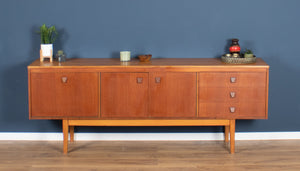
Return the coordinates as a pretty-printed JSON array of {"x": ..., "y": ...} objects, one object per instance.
[
  {"x": 248, "y": 51},
  {"x": 48, "y": 34},
  {"x": 60, "y": 52}
]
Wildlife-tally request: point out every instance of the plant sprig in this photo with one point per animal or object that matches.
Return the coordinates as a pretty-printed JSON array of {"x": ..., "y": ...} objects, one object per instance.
[
  {"x": 248, "y": 51},
  {"x": 48, "y": 34}
]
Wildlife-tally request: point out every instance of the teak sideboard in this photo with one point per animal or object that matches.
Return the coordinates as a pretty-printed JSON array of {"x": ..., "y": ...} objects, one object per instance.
[{"x": 163, "y": 92}]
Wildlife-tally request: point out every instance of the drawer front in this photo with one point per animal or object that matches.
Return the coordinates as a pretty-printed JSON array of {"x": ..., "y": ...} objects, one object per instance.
[
  {"x": 232, "y": 110},
  {"x": 219, "y": 110},
  {"x": 233, "y": 79},
  {"x": 222, "y": 95},
  {"x": 64, "y": 94}
]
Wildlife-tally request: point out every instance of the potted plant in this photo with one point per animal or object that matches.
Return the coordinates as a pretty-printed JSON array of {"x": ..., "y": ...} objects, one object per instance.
[
  {"x": 60, "y": 56},
  {"x": 248, "y": 53},
  {"x": 48, "y": 36}
]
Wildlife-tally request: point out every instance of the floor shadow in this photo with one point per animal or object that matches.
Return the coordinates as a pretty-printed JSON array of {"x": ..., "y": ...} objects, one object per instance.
[{"x": 75, "y": 147}]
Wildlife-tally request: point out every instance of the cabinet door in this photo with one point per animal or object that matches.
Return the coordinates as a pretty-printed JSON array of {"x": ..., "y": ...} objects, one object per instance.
[
  {"x": 172, "y": 95},
  {"x": 124, "y": 95},
  {"x": 64, "y": 94}
]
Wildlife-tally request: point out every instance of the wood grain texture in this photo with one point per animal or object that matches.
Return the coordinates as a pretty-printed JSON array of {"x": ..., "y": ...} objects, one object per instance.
[
  {"x": 71, "y": 133},
  {"x": 218, "y": 110},
  {"x": 226, "y": 133},
  {"x": 222, "y": 95},
  {"x": 124, "y": 95},
  {"x": 156, "y": 65},
  {"x": 173, "y": 96},
  {"x": 164, "y": 62},
  {"x": 72, "y": 123},
  {"x": 243, "y": 79},
  {"x": 163, "y": 89},
  {"x": 242, "y": 110},
  {"x": 267, "y": 93},
  {"x": 65, "y": 135},
  {"x": 215, "y": 99},
  {"x": 29, "y": 92},
  {"x": 78, "y": 96},
  {"x": 263, "y": 155},
  {"x": 232, "y": 136},
  {"x": 200, "y": 122}
]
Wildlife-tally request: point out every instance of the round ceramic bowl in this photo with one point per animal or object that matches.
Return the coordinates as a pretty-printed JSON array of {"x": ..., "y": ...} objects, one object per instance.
[{"x": 145, "y": 58}]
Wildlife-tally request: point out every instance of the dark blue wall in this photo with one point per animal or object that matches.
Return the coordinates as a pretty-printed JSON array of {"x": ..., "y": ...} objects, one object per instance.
[{"x": 164, "y": 28}]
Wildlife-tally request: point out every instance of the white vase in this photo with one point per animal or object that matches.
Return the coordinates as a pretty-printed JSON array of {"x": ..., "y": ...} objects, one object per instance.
[
  {"x": 125, "y": 56},
  {"x": 47, "y": 49}
]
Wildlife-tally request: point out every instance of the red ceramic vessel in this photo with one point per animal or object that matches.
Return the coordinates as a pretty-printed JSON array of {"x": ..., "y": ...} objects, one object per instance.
[{"x": 235, "y": 47}]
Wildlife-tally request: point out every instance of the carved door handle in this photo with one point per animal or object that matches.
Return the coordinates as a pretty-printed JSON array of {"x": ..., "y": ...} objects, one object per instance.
[
  {"x": 157, "y": 79},
  {"x": 139, "y": 80},
  {"x": 64, "y": 79},
  {"x": 232, "y": 109},
  {"x": 232, "y": 94},
  {"x": 232, "y": 79}
]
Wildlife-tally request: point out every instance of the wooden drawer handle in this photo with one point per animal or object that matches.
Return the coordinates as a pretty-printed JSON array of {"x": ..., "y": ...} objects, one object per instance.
[
  {"x": 232, "y": 109},
  {"x": 64, "y": 79},
  {"x": 157, "y": 79},
  {"x": 232, "y": 79},
  {"x": 139, "y": 80},
  {"x": 232, "y": 94}
]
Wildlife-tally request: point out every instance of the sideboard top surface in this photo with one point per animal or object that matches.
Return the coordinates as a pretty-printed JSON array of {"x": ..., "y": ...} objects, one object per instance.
[{"x": 155, "y": 62}]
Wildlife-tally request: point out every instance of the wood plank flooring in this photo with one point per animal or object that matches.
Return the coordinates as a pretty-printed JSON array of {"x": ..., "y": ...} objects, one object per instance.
[{"x": 149, "y": 155}]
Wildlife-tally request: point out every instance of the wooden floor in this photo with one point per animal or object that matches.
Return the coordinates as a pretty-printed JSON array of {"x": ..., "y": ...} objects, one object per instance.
[{"x": 149, "y": 155}]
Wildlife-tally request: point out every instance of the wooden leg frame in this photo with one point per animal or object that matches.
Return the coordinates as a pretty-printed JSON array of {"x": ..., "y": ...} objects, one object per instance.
[
  {"x": 68, "y": 125},
  {"x": 42, "y": 58}
]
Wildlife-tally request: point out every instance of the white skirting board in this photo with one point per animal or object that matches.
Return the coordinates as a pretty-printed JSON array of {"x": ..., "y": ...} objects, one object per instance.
[{"x": 150, "y": 136}]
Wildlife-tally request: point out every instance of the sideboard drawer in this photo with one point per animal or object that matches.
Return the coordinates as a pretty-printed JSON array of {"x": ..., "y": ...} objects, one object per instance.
[
  {"x": 221, "y": 95},
  {"x": 233, "y": 79},
  {"x": 64, "y": 94},
  {"x": 232, "y": 110},
  {"x": 219, "y": 110}
]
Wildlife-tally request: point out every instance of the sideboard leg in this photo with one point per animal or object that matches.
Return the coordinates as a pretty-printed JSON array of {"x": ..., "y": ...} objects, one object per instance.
[
  {"x": 232, "y": 136},
  {"x": 71, "y": 133},
  {"x": 66, "y": 135},
  {"x": 226, "y": 134}
]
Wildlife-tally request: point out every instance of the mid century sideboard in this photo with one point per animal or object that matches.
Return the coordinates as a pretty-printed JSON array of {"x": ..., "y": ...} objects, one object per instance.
[{"x": 163, "y": 92}]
